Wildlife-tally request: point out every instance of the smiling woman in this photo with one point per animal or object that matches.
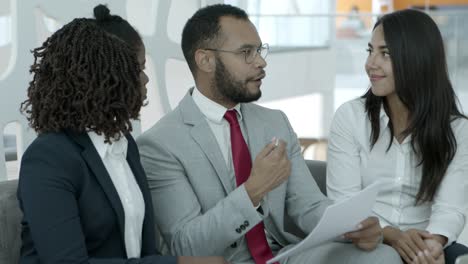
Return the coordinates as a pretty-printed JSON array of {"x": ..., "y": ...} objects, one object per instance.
[
  {"x": 408, "y": 131},
  {"x": 379, "y": 65}
]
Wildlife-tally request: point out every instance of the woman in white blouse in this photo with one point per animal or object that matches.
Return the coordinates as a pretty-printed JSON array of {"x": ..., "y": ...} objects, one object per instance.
[{"x": 408, "y": 132}]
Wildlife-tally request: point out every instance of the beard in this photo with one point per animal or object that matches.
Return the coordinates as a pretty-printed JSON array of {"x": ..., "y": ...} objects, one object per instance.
[{"x": 230, "y": 89}]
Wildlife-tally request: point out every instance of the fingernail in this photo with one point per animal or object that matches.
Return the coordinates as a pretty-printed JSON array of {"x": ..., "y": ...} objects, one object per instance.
[
  {"x": 273, "y": 139},
  {"x": 420, "y": 253},
  {"x": 426, "y": 252},
  {"x": 276, "y": 142},
  {"x": 359, "y": 226}
]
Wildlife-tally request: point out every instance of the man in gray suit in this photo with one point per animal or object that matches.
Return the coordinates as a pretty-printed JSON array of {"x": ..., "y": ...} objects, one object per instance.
[{"x": 224, "y": 173}]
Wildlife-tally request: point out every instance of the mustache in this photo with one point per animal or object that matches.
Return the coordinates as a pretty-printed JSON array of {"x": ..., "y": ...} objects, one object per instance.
[{"x": 260, "y": 75}]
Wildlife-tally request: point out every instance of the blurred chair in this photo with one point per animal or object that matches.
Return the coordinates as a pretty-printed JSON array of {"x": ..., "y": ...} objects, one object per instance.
[
  {"x": 10, "y": 223},
  {"x": 314, "y": 148},
  {"x": 9, "y": 143},
  {"x": 318, "y": 169}
]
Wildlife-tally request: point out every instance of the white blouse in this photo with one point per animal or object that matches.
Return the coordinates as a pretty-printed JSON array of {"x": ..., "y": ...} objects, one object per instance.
[
  {"x": 353, "y": 165},
  {"x": 114, "y": 158}
]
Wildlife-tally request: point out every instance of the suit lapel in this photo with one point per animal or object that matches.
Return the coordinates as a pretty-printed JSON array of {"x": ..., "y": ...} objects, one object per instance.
[
  {"x": 140, "y": 177},
  {"x": 96, "y": 165},
  {"x": 135, "y": 166},
  {"x": 202, "y": 134},
  {"x": 256, "y": 133},
  {"x": 259, "y": 135}
]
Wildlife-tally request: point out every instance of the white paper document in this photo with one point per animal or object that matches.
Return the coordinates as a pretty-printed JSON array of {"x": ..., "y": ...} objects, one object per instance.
[{"x": 339, "y": 218}]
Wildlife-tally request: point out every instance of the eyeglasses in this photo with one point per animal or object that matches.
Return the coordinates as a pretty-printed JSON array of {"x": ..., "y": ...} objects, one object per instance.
[{"x": 249, "y": 53}]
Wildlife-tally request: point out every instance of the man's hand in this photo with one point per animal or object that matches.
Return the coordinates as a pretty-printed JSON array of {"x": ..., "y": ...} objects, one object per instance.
[
  {"x": 270, "y": 168},
  {"x": 409, "y": 244},
  {"x": 368, "y": 235},
  {"x": 201, "y": 260}
]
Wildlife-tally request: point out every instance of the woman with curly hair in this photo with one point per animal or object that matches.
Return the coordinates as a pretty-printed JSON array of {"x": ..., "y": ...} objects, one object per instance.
[
  {"x": 82, "y": 189},
  {"x": 408, "y": 132}
]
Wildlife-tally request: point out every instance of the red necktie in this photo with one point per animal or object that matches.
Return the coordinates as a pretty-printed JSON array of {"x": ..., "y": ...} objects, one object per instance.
[{"x": 256, "y": 239}]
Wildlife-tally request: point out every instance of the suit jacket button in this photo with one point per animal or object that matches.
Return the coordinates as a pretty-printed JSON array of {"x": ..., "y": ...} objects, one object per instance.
[
  {"x": 246, "y": 223},
  {"x": 234, "y": 245},
  {"x": 238, "y": 230},
  {"x": 242, "y": 227}
]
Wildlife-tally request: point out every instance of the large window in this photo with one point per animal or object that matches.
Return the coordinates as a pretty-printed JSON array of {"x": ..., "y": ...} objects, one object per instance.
[{"x": 288, "y": 24}]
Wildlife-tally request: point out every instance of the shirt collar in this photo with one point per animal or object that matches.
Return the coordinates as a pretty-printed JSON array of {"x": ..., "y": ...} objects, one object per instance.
[
  {"x": 383, "y": 116},
  {"x": 212, "y": 110},
  {"x": 118, "y": 147},
  {"x": 384, "y": 119}
]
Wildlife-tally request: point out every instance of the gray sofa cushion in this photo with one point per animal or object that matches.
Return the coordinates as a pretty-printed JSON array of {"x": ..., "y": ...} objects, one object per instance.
[
  {"x": 10, "y": 223},
  {"x": 318, "y": 169}
]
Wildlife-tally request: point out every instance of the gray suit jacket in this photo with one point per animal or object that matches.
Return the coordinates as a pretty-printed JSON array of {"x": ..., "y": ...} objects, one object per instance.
[{"x": 199, "y": 209}]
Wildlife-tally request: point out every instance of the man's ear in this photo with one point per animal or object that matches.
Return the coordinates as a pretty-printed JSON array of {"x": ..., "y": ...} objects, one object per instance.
[{"x": 205, "y": 60}]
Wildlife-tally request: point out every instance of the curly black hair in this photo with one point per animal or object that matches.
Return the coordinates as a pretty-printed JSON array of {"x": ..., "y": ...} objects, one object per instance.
[
  {"x": 117, "y": 26},
  {"x": 84, "y": 79}
]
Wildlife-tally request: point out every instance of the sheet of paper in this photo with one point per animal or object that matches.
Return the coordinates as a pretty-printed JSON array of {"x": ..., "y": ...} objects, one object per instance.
[{"x": 338, "y": 218}]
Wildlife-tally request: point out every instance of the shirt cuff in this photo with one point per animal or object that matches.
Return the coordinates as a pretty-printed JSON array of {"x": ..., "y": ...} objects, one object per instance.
[
  {"x": 439, "y": 231},
  {"x": 445, "y": 225},
  {"x": 259, "y": 209}
]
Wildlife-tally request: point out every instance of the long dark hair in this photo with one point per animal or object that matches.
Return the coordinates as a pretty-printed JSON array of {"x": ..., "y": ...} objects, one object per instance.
[
  {"x": 84, "y": 79},
  {"x": 423, "y": 86}
]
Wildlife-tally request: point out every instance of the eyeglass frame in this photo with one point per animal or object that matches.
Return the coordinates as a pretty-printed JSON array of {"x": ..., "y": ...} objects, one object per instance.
[{"x": 258, "y": 51}]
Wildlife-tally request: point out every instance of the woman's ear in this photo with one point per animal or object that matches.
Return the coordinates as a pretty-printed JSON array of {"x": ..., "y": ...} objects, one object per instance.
[{"x": 205, "y": 60}]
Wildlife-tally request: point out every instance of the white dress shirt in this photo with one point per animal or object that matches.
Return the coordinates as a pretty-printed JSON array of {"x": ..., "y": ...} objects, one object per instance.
[
  {"x": 114, "y": 158},
  {"x": 353, "y": 165},
  {"x": 214, "y": 115}
]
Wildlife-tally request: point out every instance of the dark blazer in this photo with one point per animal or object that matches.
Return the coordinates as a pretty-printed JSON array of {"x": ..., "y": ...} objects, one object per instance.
[{"x": 72, "y": 212}]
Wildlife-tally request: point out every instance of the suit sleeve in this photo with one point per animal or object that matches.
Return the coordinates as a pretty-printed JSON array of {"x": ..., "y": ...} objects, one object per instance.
[
  {"x": 305, "y": 203},
  {"x": 187, "y": 229},
  {"x": 48, "y": 198}
]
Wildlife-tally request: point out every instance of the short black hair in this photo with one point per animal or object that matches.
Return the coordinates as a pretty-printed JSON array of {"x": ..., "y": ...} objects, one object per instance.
[{"x": 203, "y": 27}]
